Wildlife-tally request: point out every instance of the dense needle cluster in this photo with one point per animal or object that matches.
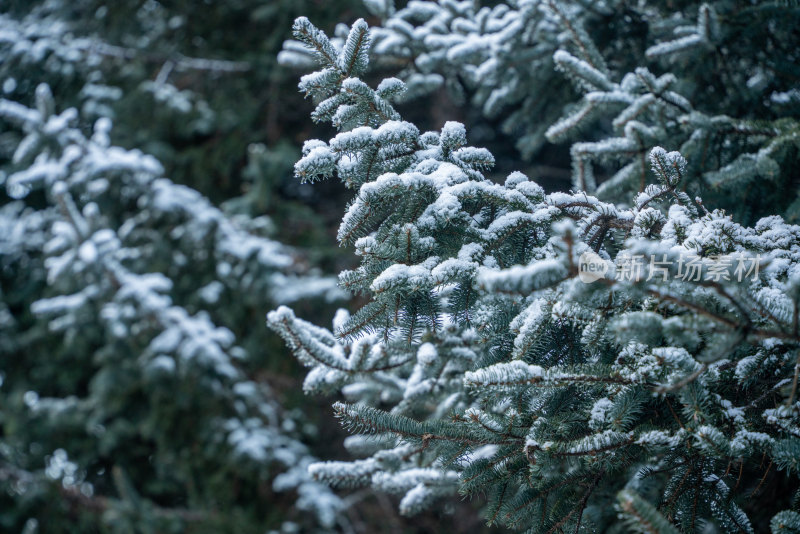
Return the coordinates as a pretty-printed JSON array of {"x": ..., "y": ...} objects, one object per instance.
[
  {"x": 132, "y": 390},
  {"x": 483, "y": 362}
]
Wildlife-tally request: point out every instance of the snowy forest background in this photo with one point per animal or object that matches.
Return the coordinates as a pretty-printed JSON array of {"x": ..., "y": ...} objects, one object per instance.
[
  {"x": 156, "y": 206},
  {"x": 89, "y": 443}
]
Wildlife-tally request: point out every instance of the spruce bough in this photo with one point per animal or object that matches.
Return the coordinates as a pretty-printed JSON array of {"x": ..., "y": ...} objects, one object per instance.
[{"x": 484, "y": 364}]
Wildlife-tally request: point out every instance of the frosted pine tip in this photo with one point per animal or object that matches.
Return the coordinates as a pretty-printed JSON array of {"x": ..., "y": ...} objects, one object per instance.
[
  {"x": 283, "y": 313},
  {"x": 59, "y": 188},
  {"x": 562, "y": 56}
]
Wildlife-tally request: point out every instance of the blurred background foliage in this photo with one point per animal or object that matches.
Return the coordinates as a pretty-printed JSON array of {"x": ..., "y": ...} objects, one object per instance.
[{"x": 197, "y": 85}]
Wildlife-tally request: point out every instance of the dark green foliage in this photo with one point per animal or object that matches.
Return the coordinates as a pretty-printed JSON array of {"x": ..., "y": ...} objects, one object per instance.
[
  {"x": 536, "y": 368},
  {"x": 135, "y": 396}
]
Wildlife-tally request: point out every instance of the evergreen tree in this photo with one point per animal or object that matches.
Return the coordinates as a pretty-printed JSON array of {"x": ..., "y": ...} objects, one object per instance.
[
  {"x": 718, "y": 82},
  {"x": 587, "y": 365},
  {"x": 193, "y": 87},
  {"x": 134, "y": 395},
  {"x": 106, "y": 246}
]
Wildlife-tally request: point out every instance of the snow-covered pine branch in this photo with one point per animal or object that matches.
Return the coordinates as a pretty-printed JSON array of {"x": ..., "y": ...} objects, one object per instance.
[
  {"x": 544, "y": 388},
  {"x": 106, "y": 243}
]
